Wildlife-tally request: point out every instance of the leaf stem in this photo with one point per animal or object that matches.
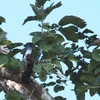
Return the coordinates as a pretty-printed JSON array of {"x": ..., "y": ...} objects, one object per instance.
[{"x": 42, "y": 26}]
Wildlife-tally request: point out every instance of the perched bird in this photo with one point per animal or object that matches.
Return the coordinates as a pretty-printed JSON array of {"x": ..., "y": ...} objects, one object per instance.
[{"x": 27, "y": 50}]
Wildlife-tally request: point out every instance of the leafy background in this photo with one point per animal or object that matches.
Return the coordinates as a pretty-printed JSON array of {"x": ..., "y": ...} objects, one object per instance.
[{"x": 87, "y": 10}]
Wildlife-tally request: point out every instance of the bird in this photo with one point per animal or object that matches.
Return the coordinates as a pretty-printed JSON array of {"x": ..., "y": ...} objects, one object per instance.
[{"x": 27, "y": 51}]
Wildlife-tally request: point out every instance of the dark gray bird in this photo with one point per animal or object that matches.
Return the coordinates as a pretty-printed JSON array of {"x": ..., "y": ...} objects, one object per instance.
[{"x": 27, "y": 50}]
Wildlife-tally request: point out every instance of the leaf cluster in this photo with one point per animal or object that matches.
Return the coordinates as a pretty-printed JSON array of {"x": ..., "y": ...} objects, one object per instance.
[
  {"x": 82, "y": 64},
  {"x": 69, "y": 42},
  {"x": 8, "y": 60},
  {"x": 14, "y": 95}
]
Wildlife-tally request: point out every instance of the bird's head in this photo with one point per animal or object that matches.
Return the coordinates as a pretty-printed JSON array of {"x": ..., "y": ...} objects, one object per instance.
[{"x": 28, "y": 45}]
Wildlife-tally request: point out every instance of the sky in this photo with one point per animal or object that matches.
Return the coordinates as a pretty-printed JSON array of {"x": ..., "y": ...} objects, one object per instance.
[{"x": 15, "y": 11}]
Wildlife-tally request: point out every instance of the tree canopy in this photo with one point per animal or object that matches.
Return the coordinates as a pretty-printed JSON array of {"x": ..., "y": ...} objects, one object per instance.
[{"x": 56, "y": 44}]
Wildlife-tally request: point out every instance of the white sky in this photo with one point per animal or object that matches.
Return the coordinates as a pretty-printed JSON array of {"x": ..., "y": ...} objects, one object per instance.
[{"x": 15, "y": 11}]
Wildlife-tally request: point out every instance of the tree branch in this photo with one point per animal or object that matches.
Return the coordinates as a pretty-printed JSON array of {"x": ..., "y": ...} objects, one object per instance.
[
  {"x": 4, "y": 49},
  {"x": 32, "y": 91},
  {"x": 8, "y": 86}
]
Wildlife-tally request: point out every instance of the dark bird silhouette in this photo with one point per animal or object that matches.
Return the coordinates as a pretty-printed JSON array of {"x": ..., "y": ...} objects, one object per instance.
[
  {"x": 27, "y": 63},
  {"x": 27, "y": 51}
]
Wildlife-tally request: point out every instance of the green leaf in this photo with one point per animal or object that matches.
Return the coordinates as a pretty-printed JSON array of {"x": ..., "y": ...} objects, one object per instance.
[
  {"x": 46, "y": 26},
  {"x": 87, "y": 55},
  {"x": 97, "y": 81},
  {"x": 2, "y": 36},
  {"x": 73, "y": 58},
  {"x": 81, "y": 96},
  {"x": 14, "y": 52},
  {"x": 48, "y": 66},
  {"x": 45, "y": 46},
  {"x": 46, "y": 55},
  {"x": 2, "y": 20},
  {"x": 59, "y": 81},
  {"x": 1, "y": 30},
  {"x": 68, "y": 63},
  {"x": 14, "y": 95},
  {"x": 68, "y": 72},
  {"x": 36, "y": 39},
  {"x": 37, "y": 12},
  {"x": 69, "y": 33},
  {"x": 72, "y": 20},
  {"x": 59, "y": 38},
  {"x": 92, "y": 65},
  {"x": 68, "y": 53},
  {"x": 35, "y": 52},
  {"x": 41, "y": 13},
  {"x": 13, "y": 45},
  {"x": 51, "y": 83},
  {"x": 58, "y": 49},
  {"x": 96, "y": 55},
  {"x": 87, "y": 79},
  {"x": 49, "y": 37},
  {"x": 43, "y": 75},
  {"x": 56, "y": 63},
  {"x": 36, "y": 33},
  {"x": 40, "y": 3},
  {"x": 93, "y": 91},
  {"x": 14, "y": 63},
  {"x": 97, "y": 70},
  {"x": 50, "y": 34},
  {"x": 58, "y": 88},
  {"x": 87, "y": 31},
  {"x": 50, "y": 40},
  {"x": 52, "y": 7},
  {"x": 37, "y": 68},
  {"x": 3, "y": 60},
  {"x": 59, "y": 98},
  {"x": 7, "y": 42},
  {"x": 30, "y": 18},
  {"x": 82, "y": 88}
]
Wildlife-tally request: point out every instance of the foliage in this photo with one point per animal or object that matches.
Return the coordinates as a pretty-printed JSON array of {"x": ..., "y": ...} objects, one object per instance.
[
  {"x": 14, "y": 95},
  {"x": 51, "y": 44}
]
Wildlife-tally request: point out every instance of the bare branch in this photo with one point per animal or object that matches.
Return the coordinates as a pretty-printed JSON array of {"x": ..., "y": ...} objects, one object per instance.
[
  {"x": 9, "y": 85},
  {"x": 32, "y": 91}
]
